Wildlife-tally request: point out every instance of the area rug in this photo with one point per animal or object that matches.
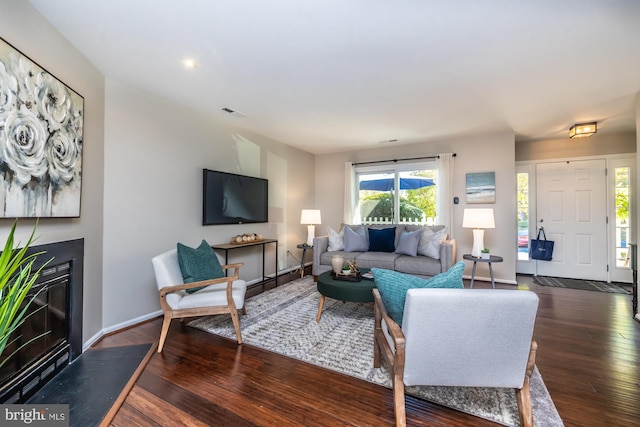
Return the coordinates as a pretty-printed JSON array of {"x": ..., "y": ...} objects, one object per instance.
[
  {"x": 282, "y": 320},
  {"x": 585, "y": 285}
]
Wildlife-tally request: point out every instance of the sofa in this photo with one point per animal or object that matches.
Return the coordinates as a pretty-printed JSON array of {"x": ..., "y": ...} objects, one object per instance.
[{"x": 421, "y": 251}]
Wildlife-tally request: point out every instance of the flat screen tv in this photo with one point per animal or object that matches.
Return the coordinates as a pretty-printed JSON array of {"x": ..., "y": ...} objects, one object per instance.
[{"x": 233, "y": 199}]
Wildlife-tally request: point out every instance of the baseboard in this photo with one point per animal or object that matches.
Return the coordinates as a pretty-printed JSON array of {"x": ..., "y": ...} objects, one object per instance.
[
  {"x": 114, "y": 328},
  {"x": 133, "y": 322}
]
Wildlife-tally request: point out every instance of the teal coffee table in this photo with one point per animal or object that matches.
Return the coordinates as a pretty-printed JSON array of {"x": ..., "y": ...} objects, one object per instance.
[{"x": 344, "y": 290}]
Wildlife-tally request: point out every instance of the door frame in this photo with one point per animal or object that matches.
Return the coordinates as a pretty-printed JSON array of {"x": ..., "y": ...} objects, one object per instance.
[{"x": 611, "y": 161}]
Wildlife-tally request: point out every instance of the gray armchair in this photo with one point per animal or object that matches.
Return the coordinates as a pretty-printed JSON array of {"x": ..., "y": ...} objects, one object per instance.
[{"x": 459, "y": 337}]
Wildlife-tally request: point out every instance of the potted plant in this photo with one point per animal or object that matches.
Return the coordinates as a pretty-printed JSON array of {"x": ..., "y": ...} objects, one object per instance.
[
  {"x": 485, "y": 253},
  {"x": 17, "y": 275}
]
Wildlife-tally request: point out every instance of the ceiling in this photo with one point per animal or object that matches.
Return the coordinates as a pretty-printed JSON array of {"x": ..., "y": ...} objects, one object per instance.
[{"x": 335, "y": 75}]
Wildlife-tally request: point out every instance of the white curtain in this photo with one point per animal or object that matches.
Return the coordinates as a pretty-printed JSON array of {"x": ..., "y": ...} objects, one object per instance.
[
  {"x": 351, "y": 215},
  {"x": 444, "y": 196}
]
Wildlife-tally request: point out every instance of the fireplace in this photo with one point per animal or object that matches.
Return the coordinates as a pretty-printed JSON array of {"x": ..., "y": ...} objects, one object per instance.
[{"x": 54, "y": 331}]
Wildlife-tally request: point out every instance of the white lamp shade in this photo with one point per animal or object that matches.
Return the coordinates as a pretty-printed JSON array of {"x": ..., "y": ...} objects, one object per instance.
[
  {"x": 310, "y": 216},
  {"x": 478, "y": 218}
]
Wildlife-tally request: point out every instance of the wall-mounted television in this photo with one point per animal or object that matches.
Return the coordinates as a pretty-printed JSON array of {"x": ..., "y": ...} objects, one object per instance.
[{"x": 229, "y": 198}]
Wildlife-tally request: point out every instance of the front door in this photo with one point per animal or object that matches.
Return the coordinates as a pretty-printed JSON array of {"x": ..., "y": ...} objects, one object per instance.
[{"x": 571, "y": 206}]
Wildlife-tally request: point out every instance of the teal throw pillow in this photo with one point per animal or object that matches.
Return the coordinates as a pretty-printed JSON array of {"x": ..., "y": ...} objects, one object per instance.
[
  {"x": 198, "y": 264},
  {"x": 382, "y": 240},
  {"x": 393, "y": 286}
]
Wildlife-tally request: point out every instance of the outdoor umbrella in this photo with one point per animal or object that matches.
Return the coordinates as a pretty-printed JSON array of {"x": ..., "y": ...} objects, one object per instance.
[{"x": 386, "y": 184}]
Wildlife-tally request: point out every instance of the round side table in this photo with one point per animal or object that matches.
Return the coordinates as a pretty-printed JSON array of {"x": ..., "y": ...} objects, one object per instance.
[{"x": 491, "y": 259}]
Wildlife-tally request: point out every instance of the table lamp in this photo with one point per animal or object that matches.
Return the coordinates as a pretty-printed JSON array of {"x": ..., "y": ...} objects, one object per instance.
[
  {"x": 310, "y": 217},
  {"x": 478, "y": 219}
]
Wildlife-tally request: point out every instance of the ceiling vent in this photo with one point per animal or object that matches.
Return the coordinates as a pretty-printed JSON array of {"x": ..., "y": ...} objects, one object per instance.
[
  {"x": 234, "y": 113},
  {"x": 387, "y": 141}
]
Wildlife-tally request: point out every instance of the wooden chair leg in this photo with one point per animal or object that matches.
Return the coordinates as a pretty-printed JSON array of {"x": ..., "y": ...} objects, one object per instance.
[
  {"x": 236, "y": 325},
  {"x": 523, "y": 395},
  {"x": 398, "y": 402},
  {"x": 163, "y": 333},
  {"x": 320, "y": 308},
  {"x": 244, "y": 309}
]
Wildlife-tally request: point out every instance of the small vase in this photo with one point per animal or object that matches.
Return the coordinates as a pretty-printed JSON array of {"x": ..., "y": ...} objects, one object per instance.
[
  {"x": 486, "y": 255},
  {"x": 337, "y": 261}
]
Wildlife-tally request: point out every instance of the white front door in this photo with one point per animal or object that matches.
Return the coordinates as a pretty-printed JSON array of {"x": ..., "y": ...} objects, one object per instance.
[{"x": 571, "y": 206}]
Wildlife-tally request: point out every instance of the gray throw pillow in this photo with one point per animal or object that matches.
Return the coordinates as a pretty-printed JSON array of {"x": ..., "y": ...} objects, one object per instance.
[
  {"x": 408, "y": 244},
  {"x": 355, "y": 240}
]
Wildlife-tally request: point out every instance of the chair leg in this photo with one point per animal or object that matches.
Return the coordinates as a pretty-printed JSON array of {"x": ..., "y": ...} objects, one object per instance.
[
  {"x": 163, "y": 333},
  {"x": 236, "y": 324},
  {"x": 523, "y": 395},
  {"x": 398, "y": 402},
  {"x": 376, "y": 350},
  {"x": 244, "y": 309}
]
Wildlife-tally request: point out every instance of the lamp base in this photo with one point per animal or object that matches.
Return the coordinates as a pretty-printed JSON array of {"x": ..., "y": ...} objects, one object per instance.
[
  {"x": 311, "y": 231},
  {"x": 478, "y": 242}
]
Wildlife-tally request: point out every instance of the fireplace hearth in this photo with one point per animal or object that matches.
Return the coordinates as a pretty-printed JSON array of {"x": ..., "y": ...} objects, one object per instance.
[{"x": 54, "y": 331}]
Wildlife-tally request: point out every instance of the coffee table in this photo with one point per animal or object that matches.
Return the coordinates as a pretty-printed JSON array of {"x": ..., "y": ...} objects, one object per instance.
[{"x": 344, "y": 290}]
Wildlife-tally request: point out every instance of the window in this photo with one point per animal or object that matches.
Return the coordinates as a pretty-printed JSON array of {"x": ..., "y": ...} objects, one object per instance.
[
  {"x": 523, "y": 216},
  {"x": 622, "y": 180},
  {"x": 401, "y": 194}
]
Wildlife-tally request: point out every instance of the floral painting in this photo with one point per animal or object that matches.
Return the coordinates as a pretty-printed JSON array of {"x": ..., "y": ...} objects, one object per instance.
[{"x": 41, "y": 121}]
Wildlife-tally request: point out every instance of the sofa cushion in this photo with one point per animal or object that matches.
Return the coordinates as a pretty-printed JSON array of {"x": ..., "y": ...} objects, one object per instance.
[
  {"x": 336, "y": 240},
  {"x": 198, "y": 264},
  {"x": 355, "y": 239},
  {"x": 393, "y": 286},
  {"x": 377, "y": 259},
  {"x": 325, "y": 258},
  {"x": 382, "y": 240},
  {"x": 420, "y": 265},
  {"x": 408, "y": 243},
  {"x": 431, "y": 241}
]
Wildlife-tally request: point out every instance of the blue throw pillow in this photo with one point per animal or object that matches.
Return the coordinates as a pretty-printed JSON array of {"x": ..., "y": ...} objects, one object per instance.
[
  {"x": 393, "y": 286},
  {"x": 355, "y": 240},
  {"x": 408, "y": 244},
  {"x": 198, "y": 264},
  {"x": 382, "y": 240}
]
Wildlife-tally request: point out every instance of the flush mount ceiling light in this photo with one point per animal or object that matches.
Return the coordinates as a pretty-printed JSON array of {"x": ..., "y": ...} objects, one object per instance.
[
  {"x": 583, "y": 129},
  {"x": 189, "y": 63}
]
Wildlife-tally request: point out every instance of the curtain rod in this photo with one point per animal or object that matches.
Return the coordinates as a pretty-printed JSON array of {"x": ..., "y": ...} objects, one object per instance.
[{"x": 398, "y": 160}]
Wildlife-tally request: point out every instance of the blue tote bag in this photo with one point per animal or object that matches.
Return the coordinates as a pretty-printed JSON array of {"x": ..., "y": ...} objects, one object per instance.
[{"x": 541, "y": 249}]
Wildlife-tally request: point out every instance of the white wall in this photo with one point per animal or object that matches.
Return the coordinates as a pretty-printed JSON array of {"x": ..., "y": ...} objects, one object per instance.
[
  {"x": 481, "y": 153},
  {"x": 25, "y": 29},
  {"x": 154, "y": 155}
]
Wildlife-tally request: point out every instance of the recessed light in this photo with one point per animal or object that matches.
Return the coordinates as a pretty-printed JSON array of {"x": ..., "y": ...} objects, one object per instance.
[{"x": 189, "y": 63}]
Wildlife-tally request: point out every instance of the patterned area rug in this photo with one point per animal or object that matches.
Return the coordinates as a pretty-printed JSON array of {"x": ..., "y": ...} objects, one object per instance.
[
  {"x": 585, "y": 285},
  {"x": 282, "y": 320}
]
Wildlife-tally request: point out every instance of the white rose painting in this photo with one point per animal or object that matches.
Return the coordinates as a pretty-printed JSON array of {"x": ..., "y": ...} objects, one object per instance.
[{"x": 41, "y": 122}]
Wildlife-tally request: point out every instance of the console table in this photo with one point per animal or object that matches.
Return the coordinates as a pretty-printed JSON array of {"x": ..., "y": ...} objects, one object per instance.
[{"x": 226, "y": 247}]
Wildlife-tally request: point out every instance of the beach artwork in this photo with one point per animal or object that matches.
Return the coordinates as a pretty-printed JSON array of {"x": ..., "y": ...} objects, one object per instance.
[{"x": 481, "y": 187}]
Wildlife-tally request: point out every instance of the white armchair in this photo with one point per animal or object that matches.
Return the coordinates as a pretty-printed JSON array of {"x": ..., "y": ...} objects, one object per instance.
[
  {"x": 220, "y": 296},
  {"x": 459, "y": 337}
]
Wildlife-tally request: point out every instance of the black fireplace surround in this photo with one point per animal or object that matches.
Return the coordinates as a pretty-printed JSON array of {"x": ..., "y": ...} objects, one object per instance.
[{"x": 55, "y": 327}]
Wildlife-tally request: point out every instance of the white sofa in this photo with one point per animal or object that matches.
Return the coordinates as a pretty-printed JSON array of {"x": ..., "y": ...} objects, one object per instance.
[{"x": 420, "y": 265}]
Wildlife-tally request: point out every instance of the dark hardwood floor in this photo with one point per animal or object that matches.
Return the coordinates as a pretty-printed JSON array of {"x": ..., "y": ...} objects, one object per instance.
[{"x": 588, "y": 355}]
